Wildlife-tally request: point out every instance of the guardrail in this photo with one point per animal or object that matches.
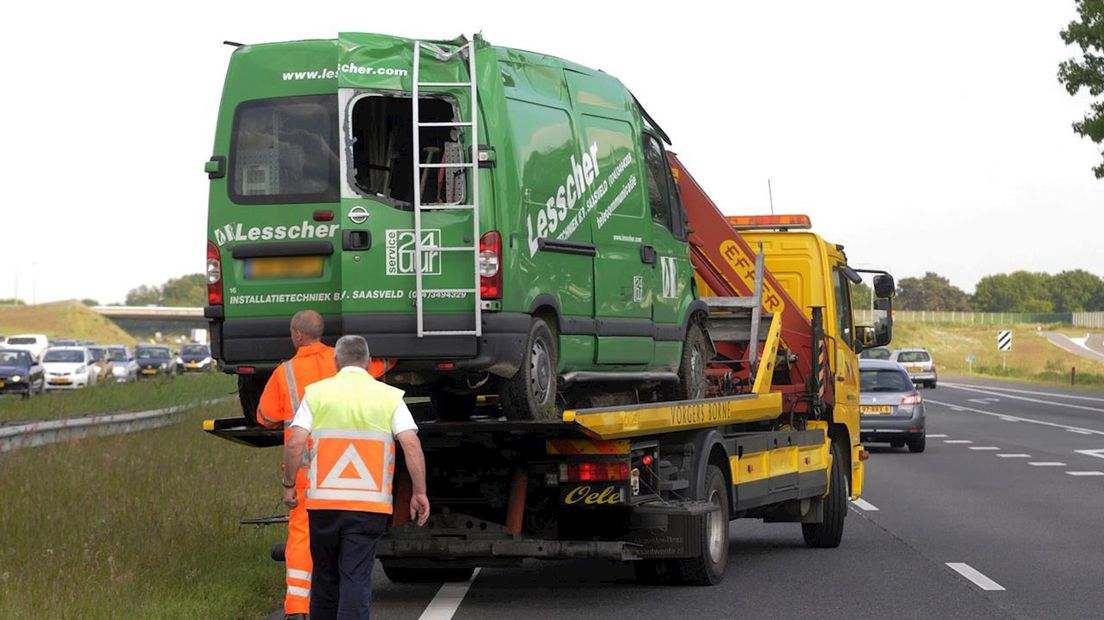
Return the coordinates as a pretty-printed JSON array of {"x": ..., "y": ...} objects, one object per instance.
[
  {"x": 862, "y": 317},
  {"x": 43, "y": 432}
]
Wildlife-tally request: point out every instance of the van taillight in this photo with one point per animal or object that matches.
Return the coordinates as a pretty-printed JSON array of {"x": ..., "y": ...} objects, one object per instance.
[
  {"x": 490, "y": 265},
  {"x": 214, "y": 275}
]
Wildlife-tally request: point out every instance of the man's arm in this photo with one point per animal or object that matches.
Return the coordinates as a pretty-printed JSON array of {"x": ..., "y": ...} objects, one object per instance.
[
  {"x": 293, "y": 457},
  {"x": 416, "y": 467},
  {"x": 274, "y": 400}
]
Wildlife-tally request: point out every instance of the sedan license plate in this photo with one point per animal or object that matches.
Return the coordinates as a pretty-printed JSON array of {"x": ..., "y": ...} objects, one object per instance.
[
  {"x": 59, "y": 382},
  {"x": 273, "y": 267},
  {"x": 883, "y": 409},
  {"x": 149, "y": 371},
  {"x": 1, "y": 385},
  {"x": 193, "y": 365}
]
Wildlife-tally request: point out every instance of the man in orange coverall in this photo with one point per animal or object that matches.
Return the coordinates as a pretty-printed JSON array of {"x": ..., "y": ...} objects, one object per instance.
[{"x": 313, "y": 361}]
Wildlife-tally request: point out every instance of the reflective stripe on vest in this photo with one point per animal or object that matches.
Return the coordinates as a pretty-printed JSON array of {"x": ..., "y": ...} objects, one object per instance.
[
  {"x": 351, "y": 470},
  {"x": 293, "y": 390}
]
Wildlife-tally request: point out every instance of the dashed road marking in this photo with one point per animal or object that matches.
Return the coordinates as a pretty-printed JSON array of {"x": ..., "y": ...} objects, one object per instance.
[
  {"x": 1085, "y": 473},
  {"x": 984, "y": 448},
  {"x": 975, "y": 576},
  {"x": 1079, "y": 430},
  {"x": 1047, "y": 464},
  {"x": 1025, "y": 398},
  {"x": 447, "y": 600},
  {"x": 934, "y": 436},
  {"x": 1097, "y": 453},
  {"x": 865, "y": 505},
  {"x": 957, "y": 441},
  {"x": 1014, "y": 456},
  {"x": 1032, "y": 392}
]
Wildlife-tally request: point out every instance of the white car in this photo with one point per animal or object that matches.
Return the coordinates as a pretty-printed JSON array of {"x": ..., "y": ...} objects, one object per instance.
[
  {"x": 35, "y": 344},
  {"x": 68, "y": 368}
]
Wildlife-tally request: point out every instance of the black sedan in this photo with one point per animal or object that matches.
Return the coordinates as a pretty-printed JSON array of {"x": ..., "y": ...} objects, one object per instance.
[
  {"x": 20, "y": 373},
  {"x": 154, "y": 361}
]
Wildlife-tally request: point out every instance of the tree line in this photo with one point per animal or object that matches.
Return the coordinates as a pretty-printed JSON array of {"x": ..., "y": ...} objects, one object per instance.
[{"x": 1075, "y": 290}]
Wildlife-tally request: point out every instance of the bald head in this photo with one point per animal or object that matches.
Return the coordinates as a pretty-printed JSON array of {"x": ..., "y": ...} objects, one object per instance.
[{"x": 306, "y": 327}]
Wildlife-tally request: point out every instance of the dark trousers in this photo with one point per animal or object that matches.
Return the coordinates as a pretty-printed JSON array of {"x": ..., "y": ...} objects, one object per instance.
[{"x": 343, "y": 547}]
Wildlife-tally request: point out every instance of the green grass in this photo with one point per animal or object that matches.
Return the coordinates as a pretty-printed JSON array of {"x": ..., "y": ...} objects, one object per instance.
[
  {"x": 1032, "y": 358},
  {"x": 112, "y": 398},
  {"x": 140, "y": 526},
  {"x": 62, "y": 319}
]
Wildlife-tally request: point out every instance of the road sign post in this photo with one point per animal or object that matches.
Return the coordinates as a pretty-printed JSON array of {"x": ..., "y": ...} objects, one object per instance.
[
  {"x": 970, "y": 359},
  {"x": 1004, "y": 345}
]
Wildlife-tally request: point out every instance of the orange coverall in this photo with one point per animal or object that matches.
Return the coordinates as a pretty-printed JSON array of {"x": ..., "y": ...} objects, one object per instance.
[{"x": 312, "y": 362}]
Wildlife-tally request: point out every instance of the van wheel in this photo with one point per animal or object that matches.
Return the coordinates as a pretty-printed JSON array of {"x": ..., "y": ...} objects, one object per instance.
[
  {"x": 531, "y": 393},
  {"x": 829, "y": 533},
  {"x": 695, "y": 355},
  {"x": 450, "y": 406},
  {"x": 707, "y": 569}
]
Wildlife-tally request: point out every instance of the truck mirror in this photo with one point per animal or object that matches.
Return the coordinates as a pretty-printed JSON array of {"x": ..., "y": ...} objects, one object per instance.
[
  {"x": 884, "y": 286},
  {"x": 883, "y": 322}
]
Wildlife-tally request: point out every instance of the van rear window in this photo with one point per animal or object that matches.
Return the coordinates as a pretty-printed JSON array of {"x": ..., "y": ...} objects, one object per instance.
[{"x": 284, "y": 151}]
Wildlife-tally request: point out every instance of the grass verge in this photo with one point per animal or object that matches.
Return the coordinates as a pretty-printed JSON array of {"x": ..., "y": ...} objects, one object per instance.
[
  {"x": 140, "y": 526},
  {"x": 1032, "y": 358},
  {"x": 145, "y": 394},
  {"x": 62, "y": 319}
]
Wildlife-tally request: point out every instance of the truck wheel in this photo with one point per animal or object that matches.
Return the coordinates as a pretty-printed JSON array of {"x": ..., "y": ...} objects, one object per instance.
[
  {"x": 695, "y": 355},
  {"x": 918, "y": 444},
  {"x": 450, "y": 406},
  {"x": 434, "y": 574},
  {"x": 531, "y": 393},
  {"x": 708, "y": 568},
  {"x": 829, "y": 533}
]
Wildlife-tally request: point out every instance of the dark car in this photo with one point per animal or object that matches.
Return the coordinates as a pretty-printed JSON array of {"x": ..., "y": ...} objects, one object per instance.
[
  {"x": 20, "y": 373},
  {"x": 195, "y": 358},
  {"x": 154, "y": 360},
  {"x": 891, "y": 410}
]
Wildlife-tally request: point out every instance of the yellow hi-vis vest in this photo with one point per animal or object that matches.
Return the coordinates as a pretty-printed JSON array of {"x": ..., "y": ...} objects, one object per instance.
[{"x": 352, "y": 463}]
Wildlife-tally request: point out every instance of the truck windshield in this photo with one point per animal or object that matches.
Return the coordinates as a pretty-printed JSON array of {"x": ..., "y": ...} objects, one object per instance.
[{"x": 285, "y": 151}]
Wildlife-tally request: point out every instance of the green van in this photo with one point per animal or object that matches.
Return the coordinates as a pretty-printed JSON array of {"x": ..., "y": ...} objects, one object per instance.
[{"x": 516, "y": 232}]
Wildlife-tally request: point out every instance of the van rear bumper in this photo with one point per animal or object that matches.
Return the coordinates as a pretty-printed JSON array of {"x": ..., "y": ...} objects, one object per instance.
[{"x": 264, "y": 343}]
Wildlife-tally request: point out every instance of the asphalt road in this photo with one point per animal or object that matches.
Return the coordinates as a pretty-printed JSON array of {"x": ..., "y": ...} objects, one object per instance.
[{"x": 1002, "y": 489}]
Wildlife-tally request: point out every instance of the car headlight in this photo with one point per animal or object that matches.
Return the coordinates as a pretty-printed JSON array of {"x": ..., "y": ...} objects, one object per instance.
[
  {"x": 164, "y": 365},
  {"x": 16, "y": 379},
  {"x": 81, "y": 370}
]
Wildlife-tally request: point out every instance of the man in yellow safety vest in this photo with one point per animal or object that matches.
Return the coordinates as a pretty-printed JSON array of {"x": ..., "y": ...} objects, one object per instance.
[{"x": 353, "y": 421}]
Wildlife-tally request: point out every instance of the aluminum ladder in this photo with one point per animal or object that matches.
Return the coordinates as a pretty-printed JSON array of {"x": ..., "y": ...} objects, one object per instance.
[{"x": 421, "y": 248}]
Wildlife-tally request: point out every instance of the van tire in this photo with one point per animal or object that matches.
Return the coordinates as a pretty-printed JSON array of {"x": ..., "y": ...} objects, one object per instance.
[
  {"x": 531, "y": 393},
  {"x": 829, "y": 533},
  {"x": 696, "y": 354}
]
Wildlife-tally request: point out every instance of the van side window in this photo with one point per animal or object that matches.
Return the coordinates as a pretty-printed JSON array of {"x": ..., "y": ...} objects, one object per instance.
[
  {"x": 382, "y": 165},
  {"x": 659, "y": 194},
  {"x": 284, "y": 151}
]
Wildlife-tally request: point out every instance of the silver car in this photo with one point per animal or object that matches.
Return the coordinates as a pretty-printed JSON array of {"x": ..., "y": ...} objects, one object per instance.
[
  {"x": 919, "y": 364},
  {"x": 124, "y": 368},
  {"x": 890, "y": 408}
]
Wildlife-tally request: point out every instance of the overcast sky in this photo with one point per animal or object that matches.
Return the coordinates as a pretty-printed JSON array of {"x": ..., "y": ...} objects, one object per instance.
[{"x": 923, "y": 136}]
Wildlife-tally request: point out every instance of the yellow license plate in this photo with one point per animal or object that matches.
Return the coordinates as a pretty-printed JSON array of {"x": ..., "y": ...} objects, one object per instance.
[
  {"x": 59, "y": 382},
  {"x": 875, "y": 409},
  {"x": 915, "y": 369},
  {"x": 193, "y": 365},
  {"x": 1, "y": 385},
  {"x": 149, "y": 371},
  {"x": 269, "y": 268}
]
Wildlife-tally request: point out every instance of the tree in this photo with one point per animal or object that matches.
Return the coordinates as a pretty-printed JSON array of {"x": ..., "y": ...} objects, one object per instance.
[
  {"x": 188, "y": 291},
  {"x": 1088, "y": 71},
  {"x": 1076, "y": 291},
  {"x": 932, "y": 292},
  {"x": 90, "y": 302},
  {"x": 1019, "y": 291},
  {"x": 860, "y": 296},
  {"x": 144, "y": 296}
]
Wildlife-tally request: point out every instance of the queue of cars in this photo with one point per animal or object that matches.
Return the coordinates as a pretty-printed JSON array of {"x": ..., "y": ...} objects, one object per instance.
[
  {"x": 31, "y": 364},
  {"x": 891, "y": 406}
]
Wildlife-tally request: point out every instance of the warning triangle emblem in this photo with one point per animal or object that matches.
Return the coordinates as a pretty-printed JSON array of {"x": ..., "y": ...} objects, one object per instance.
[{"x": 362, "y": 481}]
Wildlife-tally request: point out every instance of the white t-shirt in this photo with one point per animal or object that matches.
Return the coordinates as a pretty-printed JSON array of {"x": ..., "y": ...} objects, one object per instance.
[{"x": 401, "y": 421}]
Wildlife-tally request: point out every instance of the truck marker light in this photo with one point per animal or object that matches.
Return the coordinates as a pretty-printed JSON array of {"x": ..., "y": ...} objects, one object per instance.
[
  {"x": 647, "y": 460},
  {"x": 446, "y": 365},
  {"x": 246, "y": 370},
  {"x": 597, "y": 471},
  {"x": 762, "y": 222},
  {"x": 214, "y": 275},
  {"x": 323, "y": 215}
]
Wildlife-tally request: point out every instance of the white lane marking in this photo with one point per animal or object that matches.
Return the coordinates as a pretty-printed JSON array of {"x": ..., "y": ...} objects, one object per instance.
[
  {"x": 1079, "y": 431},
  {"x": 957, "y": 409},
  {"x": 1047, "y": 464},
  {"x": 984, "y": 448},
  {"x": 1014, "y": 456},
  {"x": 448, "y": 599},
  {"x": 1084, "y": 431},
  {"x": 865, "y": 505},
  {"x": 975, "y": 576},
  {"x": 1097, "y": 453},
  {"x": 957, "y": 441},
  {"x": 1007, "y": 419},
  {"x": 934, "y": 436},
  {"x": 1030, "y": 400},
  {"x": 1085, "y": 473},
  {"x": 983, "y": 401},
  {"x": 1033, "y": 392}
]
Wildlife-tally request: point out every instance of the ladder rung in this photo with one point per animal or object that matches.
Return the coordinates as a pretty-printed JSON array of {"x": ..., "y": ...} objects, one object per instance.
[
  {"x": 447, "y": 290},
  {"x": 445, "y": 207},
  {"x": 456, "y": 165},
  {"x": 446, "y": 124},
  {"x": 454, "y": 84},
  {"x": 454, "y": 332}
]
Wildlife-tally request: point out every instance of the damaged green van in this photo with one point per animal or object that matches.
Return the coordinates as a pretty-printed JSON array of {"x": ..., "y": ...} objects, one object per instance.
[{"x": 497, "y": 221}]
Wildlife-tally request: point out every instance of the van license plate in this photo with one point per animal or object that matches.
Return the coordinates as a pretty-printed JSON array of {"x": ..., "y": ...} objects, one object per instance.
[
  {"x": 273, "y": 267},
  {"x": 875, "y": 409}
]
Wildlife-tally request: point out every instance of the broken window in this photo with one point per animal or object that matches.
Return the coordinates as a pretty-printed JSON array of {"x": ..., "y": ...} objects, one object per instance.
[{"x": 383, "y": 158}]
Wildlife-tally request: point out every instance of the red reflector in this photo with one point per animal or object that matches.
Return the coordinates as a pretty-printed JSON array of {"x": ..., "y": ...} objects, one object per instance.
[
  {"x": 246, "y": 370},
  {"x": 597, "y": 472},
  {"x": 647, "y": 460},
  {"x": 446, "y": 365},
  {"x": 323, "y": 215}
]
